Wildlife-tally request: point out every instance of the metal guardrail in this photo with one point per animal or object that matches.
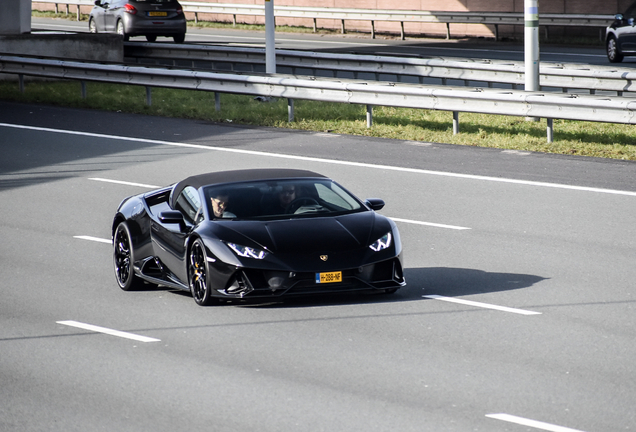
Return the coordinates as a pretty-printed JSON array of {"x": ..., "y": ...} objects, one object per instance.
[
  {"x": 444, "y": 98},
  {"x": 372, "y": 15},
  {"x": 553, "y": 75}
]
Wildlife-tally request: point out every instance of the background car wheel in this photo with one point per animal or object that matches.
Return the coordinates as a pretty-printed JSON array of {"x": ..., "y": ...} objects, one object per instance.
[
  {"x": 198, "y": 274},
  {"x": 151, "y": 38},
  {"x": 123, "y": 259},
  {"x": 121, "y": 31},
  {"x": 612, "y": 51},
  {"x": 92, "y": 28},
  {"x": 180, "y": 38}
]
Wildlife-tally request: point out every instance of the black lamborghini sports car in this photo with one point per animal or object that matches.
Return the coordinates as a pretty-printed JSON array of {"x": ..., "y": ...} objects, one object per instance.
[{"x": 262, "y": 233}]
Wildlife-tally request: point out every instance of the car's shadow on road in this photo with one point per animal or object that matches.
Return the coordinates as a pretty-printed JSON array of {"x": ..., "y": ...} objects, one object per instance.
[{"x": 443, "y": 281}]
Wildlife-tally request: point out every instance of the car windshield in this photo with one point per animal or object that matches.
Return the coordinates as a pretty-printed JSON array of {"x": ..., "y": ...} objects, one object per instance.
[{"x": 279, "y": 199}]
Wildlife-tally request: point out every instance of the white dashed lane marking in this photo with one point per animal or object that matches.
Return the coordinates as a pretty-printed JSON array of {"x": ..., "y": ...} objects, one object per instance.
[
  {"x": 481, "y": 305},
  {"x": 108, "y": 331},
  {"x": 531, "y": 423}
]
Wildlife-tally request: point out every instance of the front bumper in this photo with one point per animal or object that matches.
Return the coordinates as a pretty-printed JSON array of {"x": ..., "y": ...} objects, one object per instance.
[{"x": 252, "y": 283}]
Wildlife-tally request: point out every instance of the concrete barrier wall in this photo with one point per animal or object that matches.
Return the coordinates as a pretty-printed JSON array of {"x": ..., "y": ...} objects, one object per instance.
[{"x": 92, "y": 47}]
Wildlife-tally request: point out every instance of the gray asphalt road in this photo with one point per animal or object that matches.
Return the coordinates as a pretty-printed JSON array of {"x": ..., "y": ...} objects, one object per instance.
[
  {"x": 473, "y": 48},
  {"x": 543, "y": 338}
]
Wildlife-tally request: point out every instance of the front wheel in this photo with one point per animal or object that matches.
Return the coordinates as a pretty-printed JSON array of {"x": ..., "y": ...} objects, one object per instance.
[
  {"x": 198, "y": 274},
  {"x": 612, "y": 51},
  {"x": 124, "y": 258}
]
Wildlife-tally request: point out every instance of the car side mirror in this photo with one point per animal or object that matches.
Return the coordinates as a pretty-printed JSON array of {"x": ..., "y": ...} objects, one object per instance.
[
  {"x": 619, "y": 17},
  {"x": 172, "y": 217},
  {"x": 375, "y": 203}
]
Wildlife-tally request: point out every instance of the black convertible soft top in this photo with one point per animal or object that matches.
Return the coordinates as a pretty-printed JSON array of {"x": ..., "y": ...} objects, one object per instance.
[{"x": 235, "y": 176}]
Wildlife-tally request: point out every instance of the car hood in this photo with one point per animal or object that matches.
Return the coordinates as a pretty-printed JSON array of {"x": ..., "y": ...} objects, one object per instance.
[{"x": 301, "y": 235}]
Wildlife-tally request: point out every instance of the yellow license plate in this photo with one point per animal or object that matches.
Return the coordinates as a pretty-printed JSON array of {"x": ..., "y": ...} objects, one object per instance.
[
  {"x": 329, "y": 277},
  {"x": 154, "y": 13}
]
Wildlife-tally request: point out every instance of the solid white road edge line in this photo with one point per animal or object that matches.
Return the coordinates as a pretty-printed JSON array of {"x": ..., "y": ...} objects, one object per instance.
[
  {"x": 108, "y": 331},
  {"x": 330, "y": 161},
  {"x": 531, "y": 423},
  {"x": 481, "y": 305},
  {"x": 124, "y": 183},
  {"x": 95, "y": 239}
]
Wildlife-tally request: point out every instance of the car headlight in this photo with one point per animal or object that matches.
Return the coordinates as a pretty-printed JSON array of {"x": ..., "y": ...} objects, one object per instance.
[
  {"x": 381, "y": 243},
  {"x": 247, "y": 252}
]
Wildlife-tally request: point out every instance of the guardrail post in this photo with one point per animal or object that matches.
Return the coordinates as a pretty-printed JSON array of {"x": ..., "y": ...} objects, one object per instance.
[
  {"x": 497, "y": 32},
  {"x": 57, "y": 10},
  {"x": 315, "y": 28},
  {"x": 21, "y": 82},
  {"x": 234, "y": 20},
  {"x": 369, "y": 116},
  {"x": 78, "y": 12},
  {"x": 342, "y": 26},
  {"x": 455, "y": 122},
  {"x": 148, "y": 95},
  {"x": 196, "y": 18},
  {"x": 290, "y": 110},
  {"x": 447, "y": 31},
  {"x": 67, "y": 10},
  {"x": 83, "y": 85},
  {"x": 402, "y": 30},
  {"x": 372, "y": 29},
  {"x": 550, "y": 130},
  {"x": 217, "y": 101}
]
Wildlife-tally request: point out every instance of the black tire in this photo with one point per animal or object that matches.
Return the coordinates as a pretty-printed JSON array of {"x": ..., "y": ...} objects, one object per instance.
[
  {"x": 124, "y": 258},
  {"x": 612, "y": 50},
  {"x": 121, "y": 31},
  {"x": 92, "y": 27},
  {"x": 179, "y": 38},
  {"x": 151, "y": 38},
  {"x": 198, "y": 272}
]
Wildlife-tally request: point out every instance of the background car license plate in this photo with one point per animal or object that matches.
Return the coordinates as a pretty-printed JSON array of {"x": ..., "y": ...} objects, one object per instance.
[
  {"x": 329, "y": 277},
  {"x": 154, "y": 13}
]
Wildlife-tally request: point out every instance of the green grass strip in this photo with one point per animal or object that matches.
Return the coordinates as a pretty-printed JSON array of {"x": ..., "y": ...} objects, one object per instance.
[{"x": 504, "y": 132}]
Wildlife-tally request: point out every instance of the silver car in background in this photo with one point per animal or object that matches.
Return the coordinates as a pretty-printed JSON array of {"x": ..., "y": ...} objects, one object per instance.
[{"x": 150, "y": 18}]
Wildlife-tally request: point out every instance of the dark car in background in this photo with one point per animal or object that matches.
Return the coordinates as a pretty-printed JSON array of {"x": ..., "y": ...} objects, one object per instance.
[
  {"x": 149, "y": 18},
  {"x": 620, "y": 36}
]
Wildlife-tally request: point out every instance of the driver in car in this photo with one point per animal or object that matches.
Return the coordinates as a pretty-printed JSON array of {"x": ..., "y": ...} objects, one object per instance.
[
  {"x": 279, "y": 201},
  {"x": 286, "y": 196},
  {"x": 220, "y": 202}
]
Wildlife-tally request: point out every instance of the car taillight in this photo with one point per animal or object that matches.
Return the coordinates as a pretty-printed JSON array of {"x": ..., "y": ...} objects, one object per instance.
[
  {"x": 179, "y": 10},
  {"x": 130, "y": 9}
]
